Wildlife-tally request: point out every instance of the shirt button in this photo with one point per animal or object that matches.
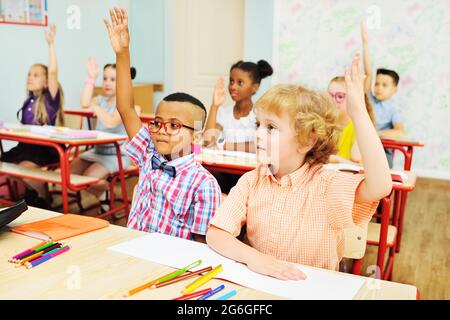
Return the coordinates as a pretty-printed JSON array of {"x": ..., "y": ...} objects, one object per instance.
[
  {"x": 32, "y": 100},
  {"x": 29, "y": 109}
]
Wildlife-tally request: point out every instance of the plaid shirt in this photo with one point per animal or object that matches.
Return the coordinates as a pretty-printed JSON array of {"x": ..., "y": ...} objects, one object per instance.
[{"x": 176, "y": 206}]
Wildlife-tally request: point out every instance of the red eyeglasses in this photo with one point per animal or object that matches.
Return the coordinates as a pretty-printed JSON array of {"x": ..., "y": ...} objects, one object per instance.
[
  {"x": 339, "y": 97},
  {"x": 171, "y": 127}
]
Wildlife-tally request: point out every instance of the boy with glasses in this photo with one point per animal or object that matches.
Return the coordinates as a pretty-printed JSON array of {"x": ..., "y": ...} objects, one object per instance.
[{"x": 175, "y": 194}]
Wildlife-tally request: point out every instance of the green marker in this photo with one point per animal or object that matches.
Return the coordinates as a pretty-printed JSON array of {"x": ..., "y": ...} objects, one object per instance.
[
  {"x": 48, "y": 244},
  {"x": 180, "y": 272}
]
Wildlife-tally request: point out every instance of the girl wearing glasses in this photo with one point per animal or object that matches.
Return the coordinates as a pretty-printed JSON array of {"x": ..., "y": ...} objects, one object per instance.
[
  {"x": 347, "y": 146},
  {"x": 101, "y": 161}
]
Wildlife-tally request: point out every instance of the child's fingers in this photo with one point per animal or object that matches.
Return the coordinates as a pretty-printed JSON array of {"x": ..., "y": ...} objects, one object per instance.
[
  {"x": 113, "y": 17},
  {"x": 347, "y": 77},
  {"x": 108, "y": 26},
  {"x": 124, "y": 16},
  {"x": 118, "y": 15},
  {"x": 355, "y": 71}
]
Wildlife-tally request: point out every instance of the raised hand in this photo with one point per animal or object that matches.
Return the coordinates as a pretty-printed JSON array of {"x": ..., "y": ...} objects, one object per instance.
[
  {"x": 364, "y": 35},
  {"x": 354, "y": 81},
  {"x": 118, "y": 32},
  {"x": 219, "y": 92},
  {"x": 50, "y": 34},
  {"x": 92, "y": 68}
]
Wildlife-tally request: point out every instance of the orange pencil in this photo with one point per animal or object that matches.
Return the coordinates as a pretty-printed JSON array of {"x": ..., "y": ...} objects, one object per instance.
[
  {"x": 33, "y": 256},
  {"x": 145, "y": 286}
]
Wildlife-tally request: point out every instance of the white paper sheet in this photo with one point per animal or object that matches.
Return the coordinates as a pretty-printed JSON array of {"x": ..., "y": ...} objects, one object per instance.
[{"x": 178, "y": 253}]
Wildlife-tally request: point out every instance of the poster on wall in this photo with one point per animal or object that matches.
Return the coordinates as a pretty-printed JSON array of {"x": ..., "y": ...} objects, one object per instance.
[{"x": 25, "y": 12}]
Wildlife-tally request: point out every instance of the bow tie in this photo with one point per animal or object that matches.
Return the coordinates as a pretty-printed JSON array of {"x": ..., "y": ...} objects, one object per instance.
[{"x": 157, "y": 164}]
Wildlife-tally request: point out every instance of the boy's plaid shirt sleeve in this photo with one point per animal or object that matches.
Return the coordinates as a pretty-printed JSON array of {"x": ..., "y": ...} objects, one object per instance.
[
  {"x": 141, "y": 147},
  {"x": 207, "y": 201}
]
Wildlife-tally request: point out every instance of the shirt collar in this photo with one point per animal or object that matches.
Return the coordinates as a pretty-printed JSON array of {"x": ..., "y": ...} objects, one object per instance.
[
  {"x": 181, "y": 163},
  {"x": 294, "y": 178}
]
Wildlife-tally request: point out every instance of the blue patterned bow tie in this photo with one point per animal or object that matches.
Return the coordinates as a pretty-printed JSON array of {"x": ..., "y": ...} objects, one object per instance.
[{"x": 157, "y": 164}]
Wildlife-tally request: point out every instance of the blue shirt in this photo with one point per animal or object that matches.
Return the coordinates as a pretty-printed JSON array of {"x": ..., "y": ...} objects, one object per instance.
[{"x": 386, "y": 114}]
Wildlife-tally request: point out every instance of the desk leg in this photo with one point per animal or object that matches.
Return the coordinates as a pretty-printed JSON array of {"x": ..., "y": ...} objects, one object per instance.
[
  {"x": 385, "y": 215},
  {"x": 408, "y": 158},
  {"x": 122, "y": 178},
  {"x": 401, "y": 219},
  {"x": 65, "y": 173}
]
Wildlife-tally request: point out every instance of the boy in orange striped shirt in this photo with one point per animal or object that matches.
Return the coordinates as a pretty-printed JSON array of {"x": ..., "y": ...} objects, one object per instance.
[{"x": 295, "y": 211}]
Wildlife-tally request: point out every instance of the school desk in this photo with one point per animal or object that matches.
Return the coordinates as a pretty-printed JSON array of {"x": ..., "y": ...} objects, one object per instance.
[
  {"x": 64, "y": 177},
  {"x": 90, "y": 271},
  {"x": 405, "y": 146},
  {"x": 89, "y": 115}
]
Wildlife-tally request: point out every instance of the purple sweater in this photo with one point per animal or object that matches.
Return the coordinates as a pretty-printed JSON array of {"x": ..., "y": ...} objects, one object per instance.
[{"x": 51, "y": 104}]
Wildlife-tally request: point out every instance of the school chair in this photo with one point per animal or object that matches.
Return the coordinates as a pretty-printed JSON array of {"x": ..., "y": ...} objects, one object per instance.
[
  {"x": 355, "y": 246},
  {"x": 384, "y": 236}
]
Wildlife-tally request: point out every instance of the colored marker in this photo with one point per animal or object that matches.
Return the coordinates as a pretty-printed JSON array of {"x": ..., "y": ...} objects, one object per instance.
[
  {"x": 37, "y": 262},
  {"x": 203, "y": 279},
  {"x": 182, "y": 277},
  {"x": 227, "y": 296},
  {"x": 47, "y": 257},
  {"x": 27, "y": 252},
  {"x": 211, "y": 293},
  {"x": 193, "y": 294},
  {"x": 179, "y": 272}
]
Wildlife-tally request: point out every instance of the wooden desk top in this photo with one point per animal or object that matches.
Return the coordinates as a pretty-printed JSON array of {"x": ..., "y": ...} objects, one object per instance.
[
  {"x": 90, "y": 271},
  {"x": 102, "y": 138}
]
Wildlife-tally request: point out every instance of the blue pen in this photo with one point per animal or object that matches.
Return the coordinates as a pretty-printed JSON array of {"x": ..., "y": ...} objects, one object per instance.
[
  {"x": 38, "y": 262},
  {"x": 228, "y": 295},
  {"x": 212, "y": 292}
]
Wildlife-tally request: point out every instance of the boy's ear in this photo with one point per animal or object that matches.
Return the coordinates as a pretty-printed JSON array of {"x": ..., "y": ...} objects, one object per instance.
[
  {"x": 197, "y": 136},
  {"x": 304, "y": 149}
]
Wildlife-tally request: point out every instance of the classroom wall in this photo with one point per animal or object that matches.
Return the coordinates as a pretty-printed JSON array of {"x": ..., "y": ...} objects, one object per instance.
[
  {"x": 258, "y": 40},
  {"x": 315, "y": 40},
  {"x": 25, "y": 45},
  {"x": 148, "y": 52}
]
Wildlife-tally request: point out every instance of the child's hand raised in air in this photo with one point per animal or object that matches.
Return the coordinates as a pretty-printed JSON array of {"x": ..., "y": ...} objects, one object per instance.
[
  {"x": 219, "y": 93},
  {"x": 354, "y": 81},
  {"x": 364, "y": 34},
  {"x": 92, "y": 68},
  {"x": 50, "y": 35},
  {"x": 118, "y": 32},
  {"x": 273, "y": 267}
]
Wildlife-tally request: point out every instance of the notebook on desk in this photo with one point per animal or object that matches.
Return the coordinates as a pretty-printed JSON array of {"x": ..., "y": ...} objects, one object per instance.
[
  {"x": 61, "y": 227},
  {"x": 63, "y": 133},
  {"x": 79, "y": 134}
]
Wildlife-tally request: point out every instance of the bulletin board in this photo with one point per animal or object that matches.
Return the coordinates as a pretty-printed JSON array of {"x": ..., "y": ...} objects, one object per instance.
[
  {"x": 24, "y": 12},
  {"x": 315, "y": 40}
]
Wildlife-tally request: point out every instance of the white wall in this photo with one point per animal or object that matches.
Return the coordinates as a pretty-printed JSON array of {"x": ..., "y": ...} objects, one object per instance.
[
  {"x": 25, "y": 45},
  {"x": 316, "y": 40}
]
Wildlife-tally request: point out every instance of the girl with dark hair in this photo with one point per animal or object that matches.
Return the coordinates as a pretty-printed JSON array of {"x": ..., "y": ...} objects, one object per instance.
[{"x": 232, "y": 127}]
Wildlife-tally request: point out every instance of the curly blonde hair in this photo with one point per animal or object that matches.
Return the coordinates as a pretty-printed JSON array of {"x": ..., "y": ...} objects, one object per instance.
[{"x": 313, "y": 118}]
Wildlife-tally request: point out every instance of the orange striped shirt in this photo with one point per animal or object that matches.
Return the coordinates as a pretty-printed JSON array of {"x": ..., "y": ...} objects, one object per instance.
[{"x": 298, "y": 219}]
